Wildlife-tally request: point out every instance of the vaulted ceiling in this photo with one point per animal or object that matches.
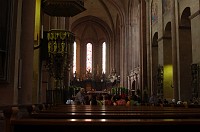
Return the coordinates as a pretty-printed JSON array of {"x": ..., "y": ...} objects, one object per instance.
[
  {"x": 99, "y": 21},
  {"x": 106, "y": 10}
]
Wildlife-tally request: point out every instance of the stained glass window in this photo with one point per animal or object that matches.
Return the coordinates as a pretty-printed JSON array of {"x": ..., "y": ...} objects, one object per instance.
[
  {"x": 89, "y": 58},
  {"x": 74, "y": 58},
  {"x": 104, "y": 58}
]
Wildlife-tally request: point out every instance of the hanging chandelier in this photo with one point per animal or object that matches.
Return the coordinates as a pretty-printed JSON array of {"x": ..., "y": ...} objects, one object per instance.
[{"x": 63, "y": 8}]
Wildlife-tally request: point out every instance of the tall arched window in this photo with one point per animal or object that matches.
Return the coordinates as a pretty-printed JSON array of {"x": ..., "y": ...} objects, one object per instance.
[
  {"x": 104, "y": 57},
  {"x": 74, "y": 58},
  {"x": 89, "y": 57}
]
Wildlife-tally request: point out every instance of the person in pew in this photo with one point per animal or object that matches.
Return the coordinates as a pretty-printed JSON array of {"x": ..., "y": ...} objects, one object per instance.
[
  {"x": 132, "y": 101},
  {"x": 165, "y": 102},
  {"x": 80, "y": 97},
  {"x": 119, "y": 101},
  {"x": 129, "y": 101},
  {"x": 93, "y": 100},
  {"x": 153, "y": 100},
  {"x": 108, "y": 99},
  {"x": 99, "y": 99},
  {"x": 87, "y": 100}
]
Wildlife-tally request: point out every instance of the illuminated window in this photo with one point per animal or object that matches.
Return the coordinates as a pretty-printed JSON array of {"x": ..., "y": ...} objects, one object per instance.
[
  {"x": 104, "y": 58},
  {"x": 74, "y": 58},
  {"x": 89, "y": 57}
]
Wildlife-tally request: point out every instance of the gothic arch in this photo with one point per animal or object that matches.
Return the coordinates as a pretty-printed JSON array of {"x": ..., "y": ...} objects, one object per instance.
[
  {"x": 154, "y": 62},
  {"x": 95, "y": 23},
  {"x": 185, "y": 55},
  {"x": 90, "y": 29},
  {"x": 167, "y": 62}
]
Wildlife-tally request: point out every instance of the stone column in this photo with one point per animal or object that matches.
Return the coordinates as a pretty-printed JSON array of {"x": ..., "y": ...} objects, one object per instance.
[
  {"x": 174, "y": 52},
  {"x": 124, "y": 55},
  {"x": 130, "y": 44},
  {"x": 149, "y": 62},
  {"x": 46, "y": 22},
  {"x": 61, "y": 22},
  {"x": 67, "y": 23},
  {"x": 27, "y": 51},
  {"x": 143, "y": 47},
  {"x": 122, "y": 36},
  {"x": 53, "y": 23}
]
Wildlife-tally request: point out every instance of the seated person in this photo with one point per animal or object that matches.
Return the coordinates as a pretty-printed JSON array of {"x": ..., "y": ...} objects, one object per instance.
[
  {"x": 80, "y": 97},
  {"x": 99, "y": 99},
  {"x": 93, "y": 100},
  {"x": 119, "y": 101},
  {"x": 108, "y": 100}
]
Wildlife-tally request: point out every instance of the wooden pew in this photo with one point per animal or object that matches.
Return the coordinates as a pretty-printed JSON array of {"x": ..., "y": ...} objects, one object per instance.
[
  {"x": 105, "y": 125},
  {"x": 116, "y": 112},
  {"x": 92, "y": 118}
]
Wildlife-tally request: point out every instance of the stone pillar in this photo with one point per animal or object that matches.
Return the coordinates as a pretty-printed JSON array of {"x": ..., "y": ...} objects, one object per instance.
[
  {"x": 61, "y": 22},
  {"x": 126, "y": 52},
  {"x": 130, "y": 43},
  {"x": 70, "y": 66},
  {"x": 53, "y": 23},
  {"x": 149, "y": 62},
  {"x": 122, "y": 36},
  {"x": 143, "y": 47},
  {"x": 46, "y": 22},
  {"x": 67, "y": 23},
  {"x": 27, "y": 51},
  {"x": 124, "y": 55},
  {"x": 174, "y": 52}
]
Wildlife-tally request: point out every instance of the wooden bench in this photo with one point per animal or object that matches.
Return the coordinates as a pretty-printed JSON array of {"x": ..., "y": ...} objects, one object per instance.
[
  {"x": 106, "y": 118},
  {"x": 116, "y": 112},
  {"x": 105, "y": 125}
]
